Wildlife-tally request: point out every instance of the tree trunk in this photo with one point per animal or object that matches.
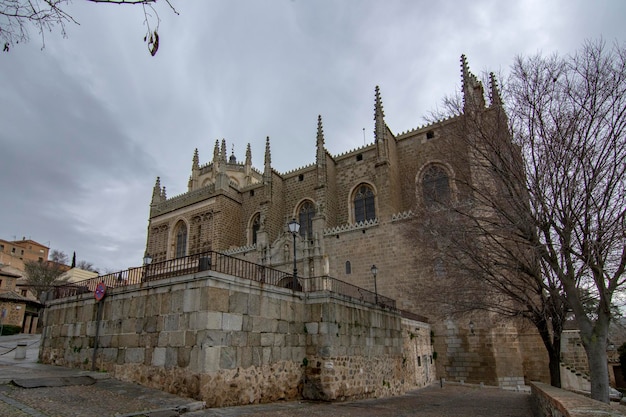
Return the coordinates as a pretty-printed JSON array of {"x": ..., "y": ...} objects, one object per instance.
[
  {"x": 555, "y": 367},
  {"x": 552, "y": 343},
  {"x": 598, "y": 369}
]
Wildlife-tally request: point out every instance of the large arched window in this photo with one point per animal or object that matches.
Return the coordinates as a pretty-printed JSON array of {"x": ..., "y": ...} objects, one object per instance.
[
  {"x": 255, "y": 226},
  {"x": 181, "y": 239},
  {"x": 305, "y": 218},
  {"x": 435, "y": 185},
  {"x": 364, "y": 206}
]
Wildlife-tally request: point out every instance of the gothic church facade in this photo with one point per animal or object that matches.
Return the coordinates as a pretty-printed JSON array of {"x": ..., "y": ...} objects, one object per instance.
[{"x": 353, "y": 210}]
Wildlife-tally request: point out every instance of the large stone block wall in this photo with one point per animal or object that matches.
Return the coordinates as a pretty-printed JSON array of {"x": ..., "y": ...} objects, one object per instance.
[
  {"x": 572, "y": 351},
  {"x": 14, "y": 313},
  {"x": 357, "y": 352},
  {"x": 229, "y": 341},
  {"x": 534, "y": 355}
]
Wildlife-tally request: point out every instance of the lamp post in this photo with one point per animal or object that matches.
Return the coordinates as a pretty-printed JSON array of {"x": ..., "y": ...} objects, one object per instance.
[
  {"x": 294, "y": 228},
  {"x": 147, "y": 260},
  {"x": 375, "y": 272}
]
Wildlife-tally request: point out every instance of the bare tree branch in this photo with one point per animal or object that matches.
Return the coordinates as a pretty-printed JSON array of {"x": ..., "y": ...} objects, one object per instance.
[
  {"x": 18, "y": 16},
  {"x": 538, "y": 226}
]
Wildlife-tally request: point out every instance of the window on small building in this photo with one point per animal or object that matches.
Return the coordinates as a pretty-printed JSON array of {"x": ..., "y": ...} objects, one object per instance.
[
  {"x": 435, "y": 185},
  {"x": 255, "y": 226},
  {"x": 181, "y": 239},
  {"x": 305, "y": 218},
  {"x": 24, "y": 293},
  {"x": 364, "y": 205}
]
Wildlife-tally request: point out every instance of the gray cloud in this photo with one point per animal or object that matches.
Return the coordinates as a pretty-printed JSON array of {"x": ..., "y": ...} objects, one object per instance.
[{"x": 90, "y": 121}]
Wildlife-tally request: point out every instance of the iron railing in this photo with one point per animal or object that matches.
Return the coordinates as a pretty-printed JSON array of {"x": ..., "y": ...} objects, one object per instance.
[{"x": 228, "y": 265}]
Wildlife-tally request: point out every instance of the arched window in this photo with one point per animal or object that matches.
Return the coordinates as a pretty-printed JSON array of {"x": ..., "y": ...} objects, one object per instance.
[
  {"x": 305, "y": 218},
  {"x": 348, "y": 268},
  {"x": 364, "y": 207},
  {"x": 181, "y": 240},
  {"x": 435, "y": 185},
  {"x": 255, "y": 226}
]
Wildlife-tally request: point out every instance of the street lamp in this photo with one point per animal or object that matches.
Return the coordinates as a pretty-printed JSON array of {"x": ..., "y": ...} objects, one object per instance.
[
  {"x": 375, "y": 272},
  {"x": 147, "y": 260},
  {"x": 294, "y": 228}
]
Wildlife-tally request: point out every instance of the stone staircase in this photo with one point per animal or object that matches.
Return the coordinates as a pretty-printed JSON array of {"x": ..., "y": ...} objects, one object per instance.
[{"x": 574, "y": 380}]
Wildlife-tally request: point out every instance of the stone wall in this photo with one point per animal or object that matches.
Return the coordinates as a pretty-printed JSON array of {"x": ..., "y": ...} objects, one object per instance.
[
  {"x": 228, "y": 341},
  {"x": 572, "y": 351},
  {"x": 13, "y": 312},
  {"x": 549, "y": 401}
]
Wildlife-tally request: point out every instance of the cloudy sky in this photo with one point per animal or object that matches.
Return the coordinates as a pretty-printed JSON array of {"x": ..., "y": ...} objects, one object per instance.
[{"x": 88, "y": 122}]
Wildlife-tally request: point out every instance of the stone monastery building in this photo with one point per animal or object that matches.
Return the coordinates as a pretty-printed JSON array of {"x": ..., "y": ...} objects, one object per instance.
[{"x": 352, "y": 210}]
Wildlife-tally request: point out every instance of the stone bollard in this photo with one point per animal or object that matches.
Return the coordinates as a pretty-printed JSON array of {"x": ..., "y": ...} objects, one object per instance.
[{"x": 20, "y": 350}]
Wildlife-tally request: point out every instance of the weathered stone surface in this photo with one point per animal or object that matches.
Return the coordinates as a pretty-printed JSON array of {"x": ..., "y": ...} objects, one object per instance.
[
  {"x": 158, "y": 357},
  {"x": 238, "y": 303},
  {"x": 232, "y": 322},
  {"x": 231, "y": 357},
  {"x": 134, "y": 355}
]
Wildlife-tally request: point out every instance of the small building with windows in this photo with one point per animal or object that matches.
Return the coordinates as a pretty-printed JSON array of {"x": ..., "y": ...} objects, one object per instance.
[{"x": 353, "y": 210}]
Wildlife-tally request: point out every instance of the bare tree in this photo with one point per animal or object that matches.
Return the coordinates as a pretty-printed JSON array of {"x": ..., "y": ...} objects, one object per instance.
[
  {"x": 86, "y": 266},
  {"x": 42, "y": 275},
  {"x": 58, "y": 257},
  {"x": 541, "y": 229},
  {"x": 479, "y": 227},
  {"x": 17, "y": 17},
  {"x": 569, "y": 116}
]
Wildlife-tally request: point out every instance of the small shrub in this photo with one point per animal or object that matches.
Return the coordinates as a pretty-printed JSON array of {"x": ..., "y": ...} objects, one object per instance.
[{"x": 9, "y": 329}]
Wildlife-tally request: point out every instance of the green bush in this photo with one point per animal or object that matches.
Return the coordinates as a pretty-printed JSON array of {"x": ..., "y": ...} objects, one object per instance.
[{"x": 9, "y": 329}]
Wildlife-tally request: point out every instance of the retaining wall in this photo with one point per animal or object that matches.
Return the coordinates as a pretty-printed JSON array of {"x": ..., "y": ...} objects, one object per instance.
[
  {"x": 549, "y": 401},
  {"x": 228, "y": 341}
]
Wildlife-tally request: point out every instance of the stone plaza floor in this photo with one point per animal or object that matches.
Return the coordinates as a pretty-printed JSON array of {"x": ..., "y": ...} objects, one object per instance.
[{"x": 110, "y": 397}]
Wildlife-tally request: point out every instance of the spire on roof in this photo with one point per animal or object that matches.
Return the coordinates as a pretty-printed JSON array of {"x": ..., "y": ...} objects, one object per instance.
[
  {"x": 156, "y": 191},
  {"x": 248, "y": 155},
  {"x": 216, "y": 151},
  {"x": 320, "y": 132},
  {"x": 320, "y": 156},
  {"x": 379, "y": 127},
  {"x": 267, "y": 172},
  {"x": 196, "y": 160},
  {"x": 494, "y": 91},
  {"x": 223, "y": 151},
  {"x": 473, "y": 94}
]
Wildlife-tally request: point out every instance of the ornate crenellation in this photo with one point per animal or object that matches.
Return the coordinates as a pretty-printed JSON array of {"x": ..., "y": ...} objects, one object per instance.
[
  {"x": 350, "y": 227},
  {"x": 182, "y": 200}
]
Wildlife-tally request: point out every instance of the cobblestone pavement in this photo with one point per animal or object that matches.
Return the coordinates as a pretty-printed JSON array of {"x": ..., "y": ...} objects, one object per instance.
[
  {"x": 433, "y": 401},
  {"x": 110, "y": 397}
]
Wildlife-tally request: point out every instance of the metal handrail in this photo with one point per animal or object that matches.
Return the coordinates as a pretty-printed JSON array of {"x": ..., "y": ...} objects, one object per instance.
[{"x": 228, "y": 265}]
